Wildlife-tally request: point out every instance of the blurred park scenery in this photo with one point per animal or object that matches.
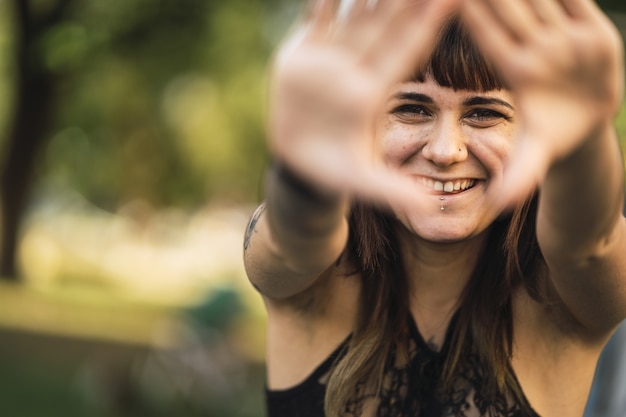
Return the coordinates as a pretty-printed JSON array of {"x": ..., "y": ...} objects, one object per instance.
[{"x": 132, "y": 148}]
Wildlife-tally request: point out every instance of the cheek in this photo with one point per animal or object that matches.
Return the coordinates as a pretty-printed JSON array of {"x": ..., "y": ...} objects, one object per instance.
[
  {"x": 398, "y": 143},
  {"x": 505, "y": 144},
  {"x": 493, "y": 148}
]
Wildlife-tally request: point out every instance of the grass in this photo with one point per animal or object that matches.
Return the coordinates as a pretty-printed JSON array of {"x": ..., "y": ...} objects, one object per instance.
[
  {"x": 30, "y": 389},
  {"x": 60, "y": 356}
]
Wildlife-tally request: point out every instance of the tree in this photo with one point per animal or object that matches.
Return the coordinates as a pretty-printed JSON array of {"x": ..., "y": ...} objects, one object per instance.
[
  {"x": 33, "y": 112},
  {"x": 148, "y": 99}
]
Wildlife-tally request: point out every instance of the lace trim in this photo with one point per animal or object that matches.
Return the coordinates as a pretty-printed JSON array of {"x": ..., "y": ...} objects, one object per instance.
[
  {"x": 404, "y": 392},
  {"x": 414, "y": 389}
]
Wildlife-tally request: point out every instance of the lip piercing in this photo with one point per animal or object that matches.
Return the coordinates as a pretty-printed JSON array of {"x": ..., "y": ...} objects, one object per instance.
[{"x": 442, "y": 207}]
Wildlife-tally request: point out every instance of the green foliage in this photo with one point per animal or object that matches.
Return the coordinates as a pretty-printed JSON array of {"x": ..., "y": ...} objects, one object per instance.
[
  {"x": 613, "y": 5},
  {"x": 6, "y": 67},
  {"x": 160, "y": 100}
]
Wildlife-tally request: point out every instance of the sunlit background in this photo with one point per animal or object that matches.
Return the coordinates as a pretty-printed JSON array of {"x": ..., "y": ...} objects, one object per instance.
[{"x": 132, "y": 148}]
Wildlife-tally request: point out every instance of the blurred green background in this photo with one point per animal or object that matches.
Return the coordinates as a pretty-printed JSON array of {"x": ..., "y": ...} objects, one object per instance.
[{"x": 131, "y": 153}]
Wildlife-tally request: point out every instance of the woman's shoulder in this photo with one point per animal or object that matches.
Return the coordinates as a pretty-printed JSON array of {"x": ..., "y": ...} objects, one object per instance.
[
  {"x": 306, "y": 328},
  {"x": 552, "y": 359},
  {"x": 337, "y": 287}
]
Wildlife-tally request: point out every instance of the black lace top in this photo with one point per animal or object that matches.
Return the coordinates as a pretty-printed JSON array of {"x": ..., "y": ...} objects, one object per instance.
[{"x": 423, "y": 396}]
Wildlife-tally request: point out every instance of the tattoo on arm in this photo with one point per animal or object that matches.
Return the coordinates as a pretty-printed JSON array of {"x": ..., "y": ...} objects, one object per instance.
[{"x": 252, "y": 226}]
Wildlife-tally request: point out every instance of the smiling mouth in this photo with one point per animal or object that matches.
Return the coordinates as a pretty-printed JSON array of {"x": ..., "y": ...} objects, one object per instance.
[{"x": 450, "y": 187}]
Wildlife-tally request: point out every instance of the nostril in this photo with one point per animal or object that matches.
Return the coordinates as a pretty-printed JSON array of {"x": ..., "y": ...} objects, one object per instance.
[{"x": 443, "y": 154}]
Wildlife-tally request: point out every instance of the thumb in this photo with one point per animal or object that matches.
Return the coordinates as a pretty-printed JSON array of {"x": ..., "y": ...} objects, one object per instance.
[
  {"x": 382, "y": 185},
  {"x": 522, "y": 175},
  {"x": 342, "y": 170}
]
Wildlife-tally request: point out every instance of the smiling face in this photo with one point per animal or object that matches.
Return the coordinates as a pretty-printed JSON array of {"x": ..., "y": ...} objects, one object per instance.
[{"x": 454, "y": 143}]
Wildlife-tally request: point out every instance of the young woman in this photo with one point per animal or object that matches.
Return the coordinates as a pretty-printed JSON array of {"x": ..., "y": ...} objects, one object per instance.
[{"x": 442, "y": 231}]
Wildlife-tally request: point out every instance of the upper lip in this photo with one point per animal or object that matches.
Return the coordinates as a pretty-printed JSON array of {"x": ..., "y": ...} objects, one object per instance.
[{"x": 442, "y": 179}]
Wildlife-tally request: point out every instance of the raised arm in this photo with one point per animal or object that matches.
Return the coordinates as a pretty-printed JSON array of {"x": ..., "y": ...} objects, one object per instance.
[
  {"x": 329, "y": 80},
  {"x": 564, "y": 62},
  {"x": 294, "y": 235},
  {"x": 582, "y": 232}
]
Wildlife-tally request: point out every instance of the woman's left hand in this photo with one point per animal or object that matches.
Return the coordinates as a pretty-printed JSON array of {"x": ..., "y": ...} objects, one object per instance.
[{"x": 563, "y": 60}]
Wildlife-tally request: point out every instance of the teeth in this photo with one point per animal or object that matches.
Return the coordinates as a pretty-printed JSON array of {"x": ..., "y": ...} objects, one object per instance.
[{"x": 448, "y": 186}]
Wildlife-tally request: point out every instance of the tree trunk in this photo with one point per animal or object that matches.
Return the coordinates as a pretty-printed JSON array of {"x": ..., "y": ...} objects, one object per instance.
[{"x": 26, "y": 136}]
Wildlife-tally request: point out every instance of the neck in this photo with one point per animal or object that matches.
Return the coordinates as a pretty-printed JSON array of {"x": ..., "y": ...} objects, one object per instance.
[{"x": 438, "y": 272}]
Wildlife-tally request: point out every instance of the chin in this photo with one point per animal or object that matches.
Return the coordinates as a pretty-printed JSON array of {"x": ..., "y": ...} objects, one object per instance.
[
  {"x": 441, "y": 229},
  {"x": 448, "y": 236}
]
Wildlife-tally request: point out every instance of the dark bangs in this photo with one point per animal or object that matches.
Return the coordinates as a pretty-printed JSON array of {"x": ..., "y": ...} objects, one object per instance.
[{"x": 458, "y": 64}]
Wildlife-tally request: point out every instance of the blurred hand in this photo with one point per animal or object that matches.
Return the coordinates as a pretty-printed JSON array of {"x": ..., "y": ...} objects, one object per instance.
[
  {"x": 563, "y": 60},
  {"x": 329, "y": 81}
]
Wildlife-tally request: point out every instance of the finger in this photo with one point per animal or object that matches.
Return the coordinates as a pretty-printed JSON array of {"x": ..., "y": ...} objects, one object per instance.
[
  {"x": 380, "y": 185},
  {"x": 525, "y": 171},
  {"x": 484, "y": 26},
  {"x": 368, "y": 21},
  {"x": 345, "y": 10},
  {"x": 321, "y": 17},
  {"x": 331, "y": 167},
  {"x": 548, "y": 11},
  {"x": 490, "y": 37},
  {"x": 411, "y": 37},
  {"x": 363, "y": 24},
  {"x": 516, "y": 17},
  {"x": 580, "y": 9},
  {"x": 353, "y": 9}
]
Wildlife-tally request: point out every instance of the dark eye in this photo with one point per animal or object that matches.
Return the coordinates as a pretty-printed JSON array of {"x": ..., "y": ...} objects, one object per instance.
[
  {"x": 485, "y": 117},
  {"x": 483, "y": 114},
  {"x": 411, "y": 111}
]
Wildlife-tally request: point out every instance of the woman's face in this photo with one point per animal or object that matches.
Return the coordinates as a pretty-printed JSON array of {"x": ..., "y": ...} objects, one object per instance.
[{"x": 454, "y": 143}]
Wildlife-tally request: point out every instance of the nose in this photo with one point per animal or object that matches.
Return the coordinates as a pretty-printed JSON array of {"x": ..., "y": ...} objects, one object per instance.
[{"x": 446, "y": 144}]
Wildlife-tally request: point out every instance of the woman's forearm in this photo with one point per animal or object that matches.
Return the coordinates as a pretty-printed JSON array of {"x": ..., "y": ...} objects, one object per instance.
[
  {"x": 582, "y": 196},
  {"x": 297, "y": 234}
]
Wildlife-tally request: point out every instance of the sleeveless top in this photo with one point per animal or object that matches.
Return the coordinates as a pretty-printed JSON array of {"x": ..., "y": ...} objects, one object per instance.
[{"x": 418, "y": 380}]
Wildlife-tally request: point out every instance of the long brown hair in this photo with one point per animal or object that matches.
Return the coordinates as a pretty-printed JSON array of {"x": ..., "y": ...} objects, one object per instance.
[{"x": 484, "y": 325}]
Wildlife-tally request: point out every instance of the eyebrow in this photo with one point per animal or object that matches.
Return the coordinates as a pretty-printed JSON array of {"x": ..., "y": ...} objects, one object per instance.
[
  {"x": 470, "y": 101},
  {"x": 422, "y": 98},
  {"x": 481, "y": 101}
]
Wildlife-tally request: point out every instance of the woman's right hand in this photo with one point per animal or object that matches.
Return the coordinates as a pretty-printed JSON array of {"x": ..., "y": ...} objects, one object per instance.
[{"x": 331, "y": 78}]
